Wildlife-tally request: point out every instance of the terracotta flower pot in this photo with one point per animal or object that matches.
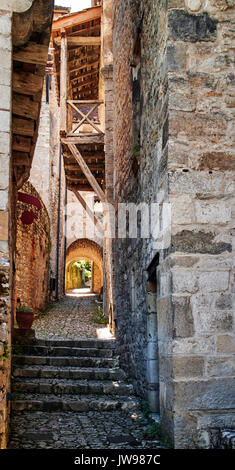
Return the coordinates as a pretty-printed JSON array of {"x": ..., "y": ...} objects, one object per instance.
[{"x": 25, "y": 319}]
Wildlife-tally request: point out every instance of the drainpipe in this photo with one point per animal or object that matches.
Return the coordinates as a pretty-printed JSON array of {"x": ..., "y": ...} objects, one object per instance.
[{"x": 58, "y": 229}]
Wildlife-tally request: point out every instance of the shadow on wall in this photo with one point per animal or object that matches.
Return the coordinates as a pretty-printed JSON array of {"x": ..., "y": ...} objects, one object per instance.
[{"x": 90, "y": 252}]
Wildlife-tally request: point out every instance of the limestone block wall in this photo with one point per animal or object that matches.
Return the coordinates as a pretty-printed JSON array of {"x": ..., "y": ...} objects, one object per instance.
[
  {"x": 149, "y": 184},
  {"x": 44, "y": 175},
  {"x": 185, "y": 78},
  {"x": 201, "y": 189},
  {"x": 32, "y": 254}
]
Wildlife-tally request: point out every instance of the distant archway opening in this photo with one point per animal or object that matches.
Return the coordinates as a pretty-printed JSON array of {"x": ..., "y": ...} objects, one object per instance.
[{"x": 84, "y": 266}]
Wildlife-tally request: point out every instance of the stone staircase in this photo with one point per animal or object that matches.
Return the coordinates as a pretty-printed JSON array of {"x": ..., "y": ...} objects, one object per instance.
[{"x": 65, "y": 375}]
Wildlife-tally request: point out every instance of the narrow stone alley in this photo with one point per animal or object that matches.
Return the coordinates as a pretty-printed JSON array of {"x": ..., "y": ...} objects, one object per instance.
[{"x": 68, "y": 389}]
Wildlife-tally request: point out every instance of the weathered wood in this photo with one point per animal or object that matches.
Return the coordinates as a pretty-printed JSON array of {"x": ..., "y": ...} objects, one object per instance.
[
  {"x": 22, "y": 126},
  {"x": 85, "y": 169},
  {"x": 88, "y": 211},
  {"x": 32, "y": 53},
  {"x": 22, "y": 144},
  {"x": 21, "y": 158},
  {"x": 83, "y": 66},
  {"x": 63, "y": 83},
  {"x": 23, "y": 106},
  {"x": 89, "y": 139},
  {"x": 80, "y": 41},
  {"x": 26, "y": 83},
  {"x": 84, "y": 75},
  {"x": 77, "y": 18}
]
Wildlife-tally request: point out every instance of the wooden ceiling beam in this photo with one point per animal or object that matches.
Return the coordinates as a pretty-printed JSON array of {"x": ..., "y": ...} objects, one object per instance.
[
  {"x": 23, "y": 126},
  {"x": 32, "y": 53},
  {"x": 83, "y": 66},
  {"x": 25, "y": 107},
  {"x": 27, "y": 83},
  {"x": 76, "y": 18},
  {"x": 80, "y": 41}
]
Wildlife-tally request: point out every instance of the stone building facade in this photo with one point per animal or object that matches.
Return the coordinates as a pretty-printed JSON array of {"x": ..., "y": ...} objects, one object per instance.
[{"x": 173, "y": 126}]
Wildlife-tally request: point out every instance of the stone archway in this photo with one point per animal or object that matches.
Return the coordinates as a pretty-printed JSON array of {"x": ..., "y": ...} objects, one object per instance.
[{"x": 89, "y": 250}]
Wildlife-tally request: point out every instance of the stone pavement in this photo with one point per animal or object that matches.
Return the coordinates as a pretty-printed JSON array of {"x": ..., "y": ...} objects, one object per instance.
[
  {"x": 70, "y": 318},
  {"x": 68, "y": 390}
]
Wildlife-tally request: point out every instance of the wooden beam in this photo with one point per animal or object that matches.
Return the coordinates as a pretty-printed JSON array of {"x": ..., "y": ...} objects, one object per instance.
[
  {"x": 22, "y": 126},
  {"x": 32, "y": 53},
  {"x": 25, "y": 107},
  {"x": 80, "y": 41},
  {"x": 76, "y": 18},
  {"x": 63, "y": 83},
  {"x": 85, "y": 169},
  {"x": 89, "y": 139},
  {"x": 26, "y": 83},
  {"x": 22, "y": 144},
  {"x": 88, "y": 210},
  {"x": 21, "y": 159},
  {"x": 83, "y": 75},
  {"x": 83, "y": 66}
]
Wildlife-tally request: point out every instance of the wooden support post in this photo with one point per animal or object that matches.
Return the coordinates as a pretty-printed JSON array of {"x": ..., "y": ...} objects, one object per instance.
[
  {"x": 85, "y": 169},
  {"x": 88, "y": 210},
  {"x": 63, "y": 82}
]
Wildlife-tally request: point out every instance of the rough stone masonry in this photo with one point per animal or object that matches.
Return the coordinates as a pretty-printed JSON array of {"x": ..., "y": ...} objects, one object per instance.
[{"x": 174, "y": 106}]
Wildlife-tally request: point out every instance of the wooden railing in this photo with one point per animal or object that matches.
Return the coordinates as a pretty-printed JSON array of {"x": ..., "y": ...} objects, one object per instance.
[{"x": 83, "y": 118}]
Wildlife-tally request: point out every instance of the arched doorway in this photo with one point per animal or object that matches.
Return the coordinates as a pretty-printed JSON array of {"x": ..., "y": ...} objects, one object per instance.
[{"x": 84, "y": 256}]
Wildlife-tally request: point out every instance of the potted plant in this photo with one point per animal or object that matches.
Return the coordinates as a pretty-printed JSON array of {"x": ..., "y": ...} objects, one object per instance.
[{"x": 24, "y": 316}]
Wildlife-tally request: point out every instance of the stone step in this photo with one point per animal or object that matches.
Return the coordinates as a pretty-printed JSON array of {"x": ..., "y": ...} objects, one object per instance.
[
  {"x": 68, "y": 361},
  {"x": 71, "y": 387},
  {"x": 54, "y": 372},
  {"x": 33, "y": 402},
  {"x": 81, "y": 343},
  {"x": 36, "y": 350}
]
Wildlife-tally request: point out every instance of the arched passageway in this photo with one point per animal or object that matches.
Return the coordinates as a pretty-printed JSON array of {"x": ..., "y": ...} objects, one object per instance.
[{"x": 84, "y": 250}]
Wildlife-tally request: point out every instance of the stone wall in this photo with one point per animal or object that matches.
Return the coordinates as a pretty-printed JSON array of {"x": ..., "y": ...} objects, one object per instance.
[
  {"x": 48, "y": 178},
  {"x": 32, "y": 253},
  {"x": 180, "y": 84}
]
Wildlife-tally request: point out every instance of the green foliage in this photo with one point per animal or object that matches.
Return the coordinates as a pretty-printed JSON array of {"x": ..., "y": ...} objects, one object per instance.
[
  {"x": 144, "y": 407},
  {"x": 100, "y": 316},
  {"x": 155, "y": 431},
  {"x": 6, "y": 353},
  {"x": 23, "y": 308},
  {"x": 135, "y": 151}
]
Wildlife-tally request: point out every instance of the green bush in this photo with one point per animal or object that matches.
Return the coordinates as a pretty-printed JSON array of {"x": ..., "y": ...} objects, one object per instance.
[{"x": 100, "y": 316}]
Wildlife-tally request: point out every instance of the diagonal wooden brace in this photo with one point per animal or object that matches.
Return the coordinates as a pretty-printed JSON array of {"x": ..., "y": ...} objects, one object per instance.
[{"x": 87, "y": 172}]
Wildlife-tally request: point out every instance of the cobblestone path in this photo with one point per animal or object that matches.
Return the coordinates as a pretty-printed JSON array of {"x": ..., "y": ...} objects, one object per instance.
[
  {"x": 70, "y": 318},
  {"x": 69, "y": 391}
]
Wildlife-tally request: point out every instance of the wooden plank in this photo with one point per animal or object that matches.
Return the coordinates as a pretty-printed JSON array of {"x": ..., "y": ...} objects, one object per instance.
[
  {"x": 26, "y": 83},
  {"x": 76, "y": 18},
  {"x": 22, "y": 126},
  {"x": 25, "y": 107},
  {"x": 84, "y": 75},
  {"x": 85, "y": 169},
  {"x": 83, "y": 66},
  {"x": 63, "y": 83},
  {"x": 21, "y": 159},
  {"x": 32, "y": 53},
  {"x": 22, "y": 144},
  {"x": 88, "y": 211},
  {"x": 89, "y": 139},
  {"x": 80, "y": 41}
]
